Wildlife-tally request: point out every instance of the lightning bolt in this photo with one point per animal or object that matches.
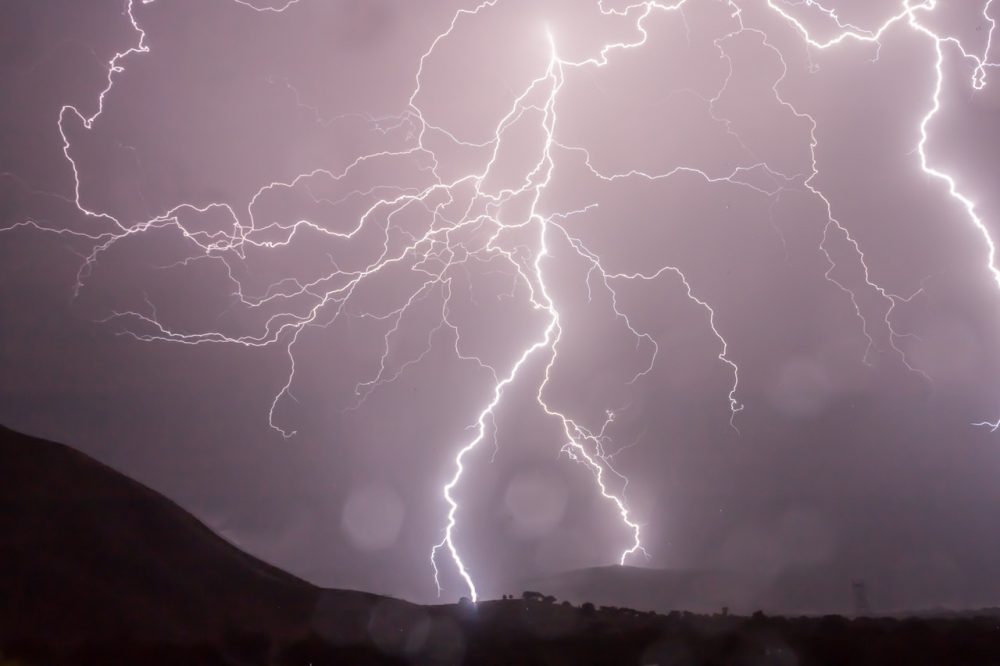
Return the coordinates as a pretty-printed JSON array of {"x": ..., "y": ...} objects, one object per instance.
[
  {"x": 465, "y": 224},
  {"x": 909, "y": 16}
]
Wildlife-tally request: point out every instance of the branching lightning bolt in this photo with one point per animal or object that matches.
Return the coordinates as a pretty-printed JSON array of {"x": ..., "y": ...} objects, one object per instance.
[
  {"x": 450, "y": 243},
  {"x": 908, "y": 15}
]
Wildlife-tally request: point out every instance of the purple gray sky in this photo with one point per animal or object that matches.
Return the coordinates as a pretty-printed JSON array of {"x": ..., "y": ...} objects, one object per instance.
[{"x": 281, "y": 272}]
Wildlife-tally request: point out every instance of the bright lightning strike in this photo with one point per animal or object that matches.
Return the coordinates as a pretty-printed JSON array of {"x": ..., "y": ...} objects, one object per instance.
[{"x": 479, "y": 233}]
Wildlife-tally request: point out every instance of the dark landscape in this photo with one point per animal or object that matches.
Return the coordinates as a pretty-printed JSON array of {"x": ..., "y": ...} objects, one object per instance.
[{"x": 98, "y": 569}]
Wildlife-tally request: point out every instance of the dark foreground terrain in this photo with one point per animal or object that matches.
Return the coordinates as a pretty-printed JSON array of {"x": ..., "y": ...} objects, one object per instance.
[{"x": 96, "y": 569}]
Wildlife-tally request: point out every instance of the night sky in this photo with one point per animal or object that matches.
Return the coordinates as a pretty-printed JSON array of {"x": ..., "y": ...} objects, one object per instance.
[{"x": 278, "y": 276}]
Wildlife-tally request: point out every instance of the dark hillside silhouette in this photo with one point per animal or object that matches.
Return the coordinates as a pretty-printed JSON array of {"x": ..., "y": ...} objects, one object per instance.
[
  {"x": 88, "y": 553},
  {"x": 96, "y": 569}
]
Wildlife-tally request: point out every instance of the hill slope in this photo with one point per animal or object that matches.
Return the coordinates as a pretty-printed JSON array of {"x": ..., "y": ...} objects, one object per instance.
[
  {"x": 86, "y": 553},
  {"x": 96, "y": 569}
]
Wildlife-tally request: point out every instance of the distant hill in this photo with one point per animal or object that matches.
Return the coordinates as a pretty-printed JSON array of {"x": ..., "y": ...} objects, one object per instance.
[
  {"x": 88, "y": 555},
  {"x": 98, "y": 570},
  {"x": 794, "y": 592}
]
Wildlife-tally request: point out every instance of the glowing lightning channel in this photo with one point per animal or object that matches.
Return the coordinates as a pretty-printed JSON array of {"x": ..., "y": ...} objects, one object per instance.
[
  {"x": 908, "y": 15},
  {"x": 577, "y": 436},
  {"x": 541, "y": 299},
  {"x": 434, "y": 247},
  {"x": 449, "y": 243}
]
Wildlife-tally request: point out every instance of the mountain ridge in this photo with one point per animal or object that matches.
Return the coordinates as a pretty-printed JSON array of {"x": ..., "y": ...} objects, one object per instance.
[{"x": 86, "y": 553}]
